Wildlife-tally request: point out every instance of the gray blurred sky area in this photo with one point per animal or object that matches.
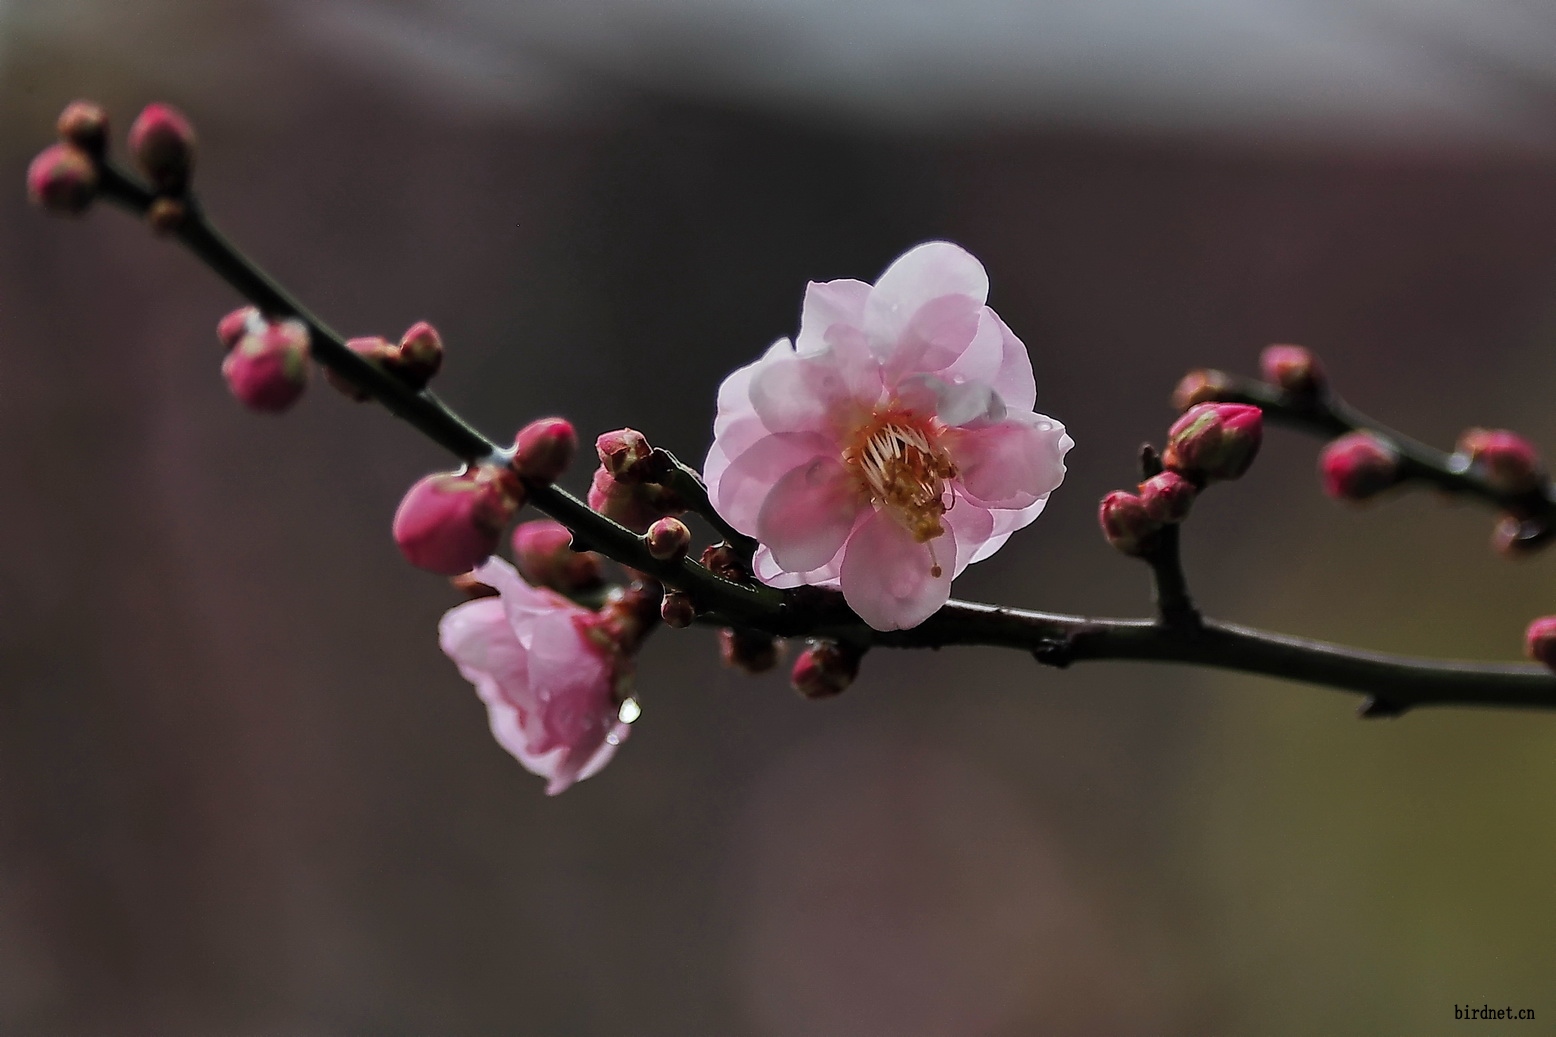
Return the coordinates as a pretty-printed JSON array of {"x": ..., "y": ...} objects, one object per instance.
[
  {"x": 1462, "y": 70},
  {"x": 1352, "y": 71}
]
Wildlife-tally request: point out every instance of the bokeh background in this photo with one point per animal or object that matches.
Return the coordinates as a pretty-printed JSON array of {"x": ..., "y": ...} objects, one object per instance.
[{"x": 242, "y": 792}]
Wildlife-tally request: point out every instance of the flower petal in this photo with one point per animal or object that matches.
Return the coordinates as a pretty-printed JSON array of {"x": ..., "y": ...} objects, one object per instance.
[
  {"x": 735, "y": 391},
  {"x": 981, "y": 360},
  {"x": 1014, "y": 381},
  {"x": 828, "y": 304},
  {"x": 971, "y": 526},
  {"x": 771, "y": 573},
  {"x": 919, "y": 276},
  {"x": 745, "y": 482},
  {"x": 886, "y": 574},
  {"x": 1011, "y": 463},
  {"x": 1006, "y": 523},
  {"x": 518, "y": 598},
  {"x": 479, "y": 639},
  {"x": 809, "y": 514},
  {"x": 799, "y": 393}
]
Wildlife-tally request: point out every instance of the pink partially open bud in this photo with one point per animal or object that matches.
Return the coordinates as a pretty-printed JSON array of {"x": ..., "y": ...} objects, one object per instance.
[
  {"x": 267, "y": 369},
  {"x": 1293, "y": 369},
  {"x": 667, "y": 538},
  {"x": 1357, "y": 466},
  {"x": 824, "y": 669},
  {"x": 1214, "y": 441},
  {"x": 1201, "y": 386},
  {"x": 62, "y": 179},
  {"x": 419, "y": 355},
  {"x": 544, "y": 448},
  {"x": 1126, "y": 523},
  {"x": 162, "y": 143},
  {"x": 1510, "y": 462},
  {"x": 450, "y": 522},
  {"x": 1167, "y": 497},
  {"x": 635, "y": 505},
  {"x": 749, "y": 651},
  {"x": 1540, "y": 641},
  {"x": 85, "y": 125},
  {"x": 677, "y": 610},
  {"x": 543, "y": 552},
  {"x": 624, "y": 453}
]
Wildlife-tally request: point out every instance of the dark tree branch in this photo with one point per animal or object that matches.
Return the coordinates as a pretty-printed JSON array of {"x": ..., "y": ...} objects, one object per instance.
[{"x": 1393, "y": 683}]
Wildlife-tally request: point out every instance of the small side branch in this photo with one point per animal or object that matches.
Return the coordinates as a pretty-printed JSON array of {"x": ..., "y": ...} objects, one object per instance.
[{"x": 1327, "y": 416}]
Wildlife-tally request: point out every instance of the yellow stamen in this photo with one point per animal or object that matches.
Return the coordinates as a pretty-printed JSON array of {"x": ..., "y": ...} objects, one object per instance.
[{"x": 899, "y": 466}]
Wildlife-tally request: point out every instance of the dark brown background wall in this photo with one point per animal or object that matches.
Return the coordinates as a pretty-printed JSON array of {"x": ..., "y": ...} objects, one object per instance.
[{"x": 242, "y": 792}]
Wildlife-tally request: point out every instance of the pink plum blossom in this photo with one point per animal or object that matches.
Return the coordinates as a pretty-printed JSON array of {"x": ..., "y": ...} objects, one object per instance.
[
  {"x": 891, "y": 444},
  {"x": 551, "y": 673}
]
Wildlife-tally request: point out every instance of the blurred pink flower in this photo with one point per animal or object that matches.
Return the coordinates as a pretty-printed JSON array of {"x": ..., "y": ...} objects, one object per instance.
[
  {"x": 547, "y": 669},
  {"x": 891, "y": 444}
]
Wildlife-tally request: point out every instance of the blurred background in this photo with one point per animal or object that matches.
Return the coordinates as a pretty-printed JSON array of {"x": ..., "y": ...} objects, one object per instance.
[{"x": 243, "y": 793}]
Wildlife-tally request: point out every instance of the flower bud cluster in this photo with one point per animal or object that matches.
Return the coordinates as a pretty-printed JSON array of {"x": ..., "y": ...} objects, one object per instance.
[
  {"x": 625, "y": 488},
  {"x": 413, "y": 362},
  {"x": 1208, "y": 443},
  {"x": 267, "y": 362}
]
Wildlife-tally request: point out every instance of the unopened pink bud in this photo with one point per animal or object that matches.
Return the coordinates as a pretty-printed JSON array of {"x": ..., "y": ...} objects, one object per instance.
[
  {"x": 824, "y": 669},
  {"x": 374, "y": 350},
  {"x": 231, "y": 328},
  {"x": 62, "y": 179},
  {"x": 419, "y": 355},
  {"x": 450, "y": 522},
  {"x": 1167, "y": 497},
  {"x": 631, "y": 504},
  {"x": 543, "y": 552},
  {"x": 268, "y": 368},
  {"x": 162, "y": 143},
  {"x": 624, "y": 453},
  {"x": 1510, "y": 462},
  {"x": 1126, "y": 524},
  {"x": 544, "y": 448},
  {"x": 1201, "y": 386},
  {"x": 721, "y": 560},
  {"x": 1214, "y": 441},
  {"x": 749, "y": 651},
  {"x": 1357, "y": 466},
  {"x": 667, "y": 538},
  {"x": 85, "y": 125},
  {"x": 1293, "y": 369},
  {"x": 677, "y": 610},
  {"x": 1540, "y": 641}
]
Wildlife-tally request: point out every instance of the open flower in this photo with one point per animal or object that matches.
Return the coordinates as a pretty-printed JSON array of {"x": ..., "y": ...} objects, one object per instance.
[
  {"x": 552, "y": 674},
  {"x": 891, "y": 444}
]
